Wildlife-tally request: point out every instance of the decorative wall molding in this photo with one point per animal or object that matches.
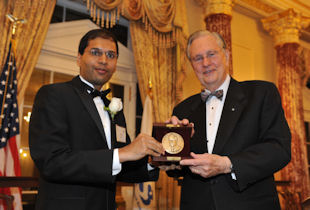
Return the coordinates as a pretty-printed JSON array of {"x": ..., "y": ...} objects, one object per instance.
[
  {"x": 258, "y": 6},
  {"x": 268, "y": 7},
  {"x": 265, "y": 8}
]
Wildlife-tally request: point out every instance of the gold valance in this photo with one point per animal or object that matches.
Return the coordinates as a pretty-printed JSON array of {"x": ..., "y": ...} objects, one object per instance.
[
  {"x": 104, "y": 12},
  {"x": 163, "y": 19}
]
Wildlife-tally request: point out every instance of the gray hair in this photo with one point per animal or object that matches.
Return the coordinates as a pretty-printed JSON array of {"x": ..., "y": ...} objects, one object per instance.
[{"x": 219, "y": 39}]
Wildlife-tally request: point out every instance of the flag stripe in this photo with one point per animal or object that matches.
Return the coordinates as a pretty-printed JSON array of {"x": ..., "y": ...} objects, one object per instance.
[
  {"x": 15, "y": 156},
  {"x": 5, "y": 191},
  {"x": 3, "y": 161},
  {"x": 9, "y": 165},
  {"x": 16, "y": 192}
]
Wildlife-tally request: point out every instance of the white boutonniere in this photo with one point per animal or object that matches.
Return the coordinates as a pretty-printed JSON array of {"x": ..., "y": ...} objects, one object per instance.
[{"x": 115, "y": 106}]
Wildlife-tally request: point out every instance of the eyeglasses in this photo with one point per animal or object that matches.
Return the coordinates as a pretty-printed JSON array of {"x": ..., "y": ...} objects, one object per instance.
[
  {"x": 98, "y": 53},
  {"x": 209, "y": 54}
]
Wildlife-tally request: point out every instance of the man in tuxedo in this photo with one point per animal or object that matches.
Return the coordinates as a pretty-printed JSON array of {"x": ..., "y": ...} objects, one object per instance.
[
  {"x": 241, "y": 137},
  {"x": 79, "y": 149}
]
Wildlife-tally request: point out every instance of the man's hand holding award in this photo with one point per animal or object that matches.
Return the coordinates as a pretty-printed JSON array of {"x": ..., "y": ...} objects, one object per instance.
[{"x": 175, "y": 138}]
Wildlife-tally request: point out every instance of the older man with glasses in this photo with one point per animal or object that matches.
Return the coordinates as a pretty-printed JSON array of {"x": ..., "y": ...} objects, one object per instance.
[{"x": 241, "y": 137}]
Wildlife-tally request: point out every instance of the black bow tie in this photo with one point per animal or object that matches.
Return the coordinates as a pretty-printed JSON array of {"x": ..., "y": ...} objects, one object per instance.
[
  {"x": 94, "y": 93},
  {"x": 205, "y": 95}
]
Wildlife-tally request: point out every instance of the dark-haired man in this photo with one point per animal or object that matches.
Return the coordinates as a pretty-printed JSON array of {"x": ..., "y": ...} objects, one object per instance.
[
  {"x": 79, "y": 148},
  {"x": 241, "y": 136}
]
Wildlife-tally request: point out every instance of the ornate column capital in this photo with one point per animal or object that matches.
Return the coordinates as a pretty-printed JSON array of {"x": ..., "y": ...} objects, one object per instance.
[
  {"x": 216, "y": 6},
  {"x": 285, "y": 26}
]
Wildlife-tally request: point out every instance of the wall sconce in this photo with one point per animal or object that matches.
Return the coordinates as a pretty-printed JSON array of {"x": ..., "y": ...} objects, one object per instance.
[
  {"x": 24, "y": 152},
  {"x": 27, "y": 118}
]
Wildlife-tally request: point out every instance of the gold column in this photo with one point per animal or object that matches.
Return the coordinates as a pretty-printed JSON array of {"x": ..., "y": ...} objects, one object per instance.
[
  {"x": 218, "y": 15},
  {"x": 285, "y": 28}
]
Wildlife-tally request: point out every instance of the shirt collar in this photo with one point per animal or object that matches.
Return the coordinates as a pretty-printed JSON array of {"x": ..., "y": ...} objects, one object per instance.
[
  {"x": 86, "y": 82},
  {"x": 224, "y": 86}
]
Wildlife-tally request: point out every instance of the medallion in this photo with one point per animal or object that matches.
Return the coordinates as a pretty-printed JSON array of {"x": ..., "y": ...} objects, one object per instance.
[{"x": 173, "y": 142}]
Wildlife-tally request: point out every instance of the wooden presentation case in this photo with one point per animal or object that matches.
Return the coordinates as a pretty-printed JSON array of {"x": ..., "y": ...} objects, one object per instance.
[{"x": 175, "y": 139}]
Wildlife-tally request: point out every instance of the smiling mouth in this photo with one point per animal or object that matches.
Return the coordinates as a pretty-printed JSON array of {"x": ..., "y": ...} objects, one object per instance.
[
  {"x": 209, "y": 71},
  {"x": 101, "y": 71}
]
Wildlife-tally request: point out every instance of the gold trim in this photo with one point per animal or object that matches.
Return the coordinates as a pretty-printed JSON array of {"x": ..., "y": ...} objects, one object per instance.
[
  {"x": 302, "y": 4},
  {"x": 172, "y": 126},
  {"x": 260, "y": 5},
  {"x": 171, "y": 158}
]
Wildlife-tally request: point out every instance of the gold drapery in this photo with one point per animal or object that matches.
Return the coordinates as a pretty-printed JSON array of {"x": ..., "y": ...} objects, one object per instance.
[
  {"x": 29, "y": 36},
  {"x": 159, "y": 65},
  {"x": 161, "y": 18},
  {"x": 290, "y": 87}
]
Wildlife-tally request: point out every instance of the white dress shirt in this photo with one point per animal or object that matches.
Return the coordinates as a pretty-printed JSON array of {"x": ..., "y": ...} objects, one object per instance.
[
  {"x": 105, "y": 120},
  {"x": 214, "y": 107}
]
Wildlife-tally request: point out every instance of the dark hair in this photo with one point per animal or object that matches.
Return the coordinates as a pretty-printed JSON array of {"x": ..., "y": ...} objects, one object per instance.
[
  {"x": 95, "y": 33},
  {"x": 219, "y": 39}
]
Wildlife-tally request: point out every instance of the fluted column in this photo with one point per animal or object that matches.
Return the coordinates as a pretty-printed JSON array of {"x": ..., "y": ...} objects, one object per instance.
[
  {"x": 285, "y": 28},
  {"x": 218, "y": 15}
]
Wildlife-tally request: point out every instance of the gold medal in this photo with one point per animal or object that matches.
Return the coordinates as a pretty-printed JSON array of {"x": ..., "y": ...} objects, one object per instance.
[{"x": 173, "y": 142}]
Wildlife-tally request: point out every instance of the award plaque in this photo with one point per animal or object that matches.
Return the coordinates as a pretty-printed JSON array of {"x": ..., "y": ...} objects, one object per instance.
[{"x": 175, "y": 140}]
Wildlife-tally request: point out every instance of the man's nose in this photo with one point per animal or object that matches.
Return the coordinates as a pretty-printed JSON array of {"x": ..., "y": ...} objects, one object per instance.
[
  {"x": 103, "y": 58},
  {"x": 206, "y": 61}
]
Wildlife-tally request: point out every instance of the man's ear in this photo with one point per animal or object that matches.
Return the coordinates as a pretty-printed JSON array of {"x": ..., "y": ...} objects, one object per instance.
[{"x": 227, "y": 53}]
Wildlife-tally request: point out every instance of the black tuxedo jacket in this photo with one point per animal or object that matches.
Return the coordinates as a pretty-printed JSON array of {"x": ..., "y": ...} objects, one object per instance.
[
  {"x": 67, "y": 143},
  {"x": 254, "y": 134}
]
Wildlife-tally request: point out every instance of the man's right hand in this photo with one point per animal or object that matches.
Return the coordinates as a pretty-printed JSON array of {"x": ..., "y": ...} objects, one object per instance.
[
  {"x": 142, "y": 146},
  {"x": 176, "y": 121}
]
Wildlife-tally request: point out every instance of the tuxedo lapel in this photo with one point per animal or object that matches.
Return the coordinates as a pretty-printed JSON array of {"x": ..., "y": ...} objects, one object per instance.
[
  {"x": 89, "y": 104},
  {"x": 198, "y": 116},
  {"x": 112, "y": 124},
  {"x": 234, "y": 104},
  {"x": 113, "y": 132}
]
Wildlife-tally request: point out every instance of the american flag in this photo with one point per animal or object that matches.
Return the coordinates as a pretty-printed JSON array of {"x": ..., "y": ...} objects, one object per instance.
[{"x": 9, "y": 130}]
